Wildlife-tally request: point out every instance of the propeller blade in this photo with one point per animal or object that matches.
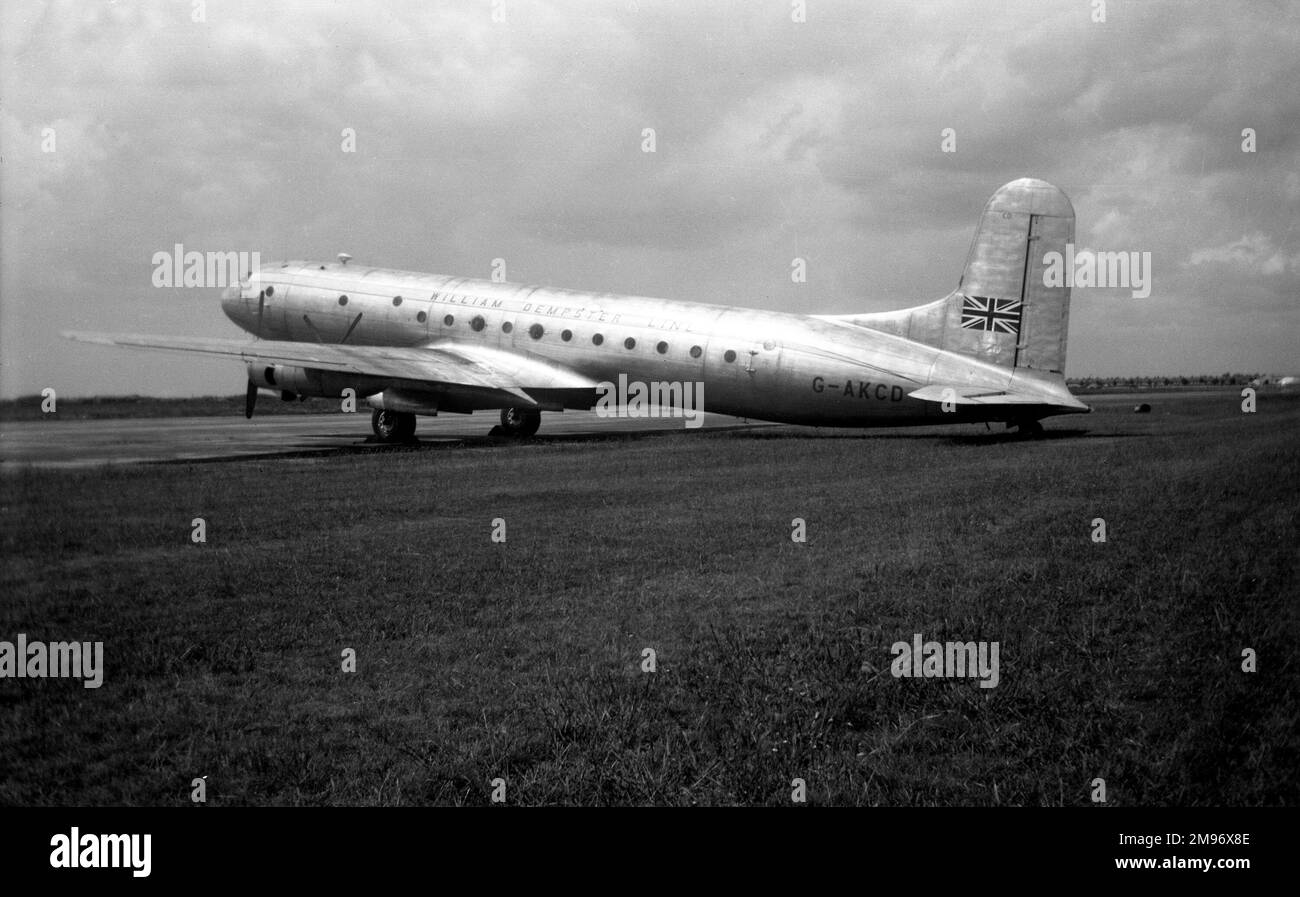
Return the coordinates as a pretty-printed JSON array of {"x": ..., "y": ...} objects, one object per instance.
[
  {"x": 250, "y": 399},
  {"x": 355, "y": 322},
  {"x": 261, "y": 306}
]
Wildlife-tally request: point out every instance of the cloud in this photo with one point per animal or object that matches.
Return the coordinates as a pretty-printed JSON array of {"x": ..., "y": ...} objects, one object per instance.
[
  {"x": 1255, "y": 252},
  {"x": 477, "y": 139}
]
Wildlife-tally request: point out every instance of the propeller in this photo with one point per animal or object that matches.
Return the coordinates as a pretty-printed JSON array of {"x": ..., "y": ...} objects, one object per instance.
[
  {"x": 250, "y": 398},
  {"x": 261, "y": 306}
]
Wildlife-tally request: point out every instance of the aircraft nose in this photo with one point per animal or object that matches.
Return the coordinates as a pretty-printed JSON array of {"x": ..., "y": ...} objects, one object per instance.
[{"x": 232, "y": 303}]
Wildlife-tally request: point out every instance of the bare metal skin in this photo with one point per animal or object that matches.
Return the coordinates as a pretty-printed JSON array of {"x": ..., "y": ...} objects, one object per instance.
[{"x": 421, "y": 343}]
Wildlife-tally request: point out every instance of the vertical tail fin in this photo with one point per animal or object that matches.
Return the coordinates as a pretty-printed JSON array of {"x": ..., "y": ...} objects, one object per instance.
[{"x": 1001, "y": 311}]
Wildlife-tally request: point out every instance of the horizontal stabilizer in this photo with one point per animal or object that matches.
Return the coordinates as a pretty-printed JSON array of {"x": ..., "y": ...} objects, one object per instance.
[{"x": 971, "y": 395}]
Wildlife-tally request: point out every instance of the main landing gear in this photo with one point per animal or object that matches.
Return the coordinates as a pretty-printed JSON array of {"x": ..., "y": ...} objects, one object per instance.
[
  {"x": 519, "y": 423},
  {"x": 1028, "y": 429},
  {"x": 393, "y": 426}
]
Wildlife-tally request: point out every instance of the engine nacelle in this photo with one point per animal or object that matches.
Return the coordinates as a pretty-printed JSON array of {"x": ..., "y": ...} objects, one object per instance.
[
  {"x": 287, "y": 378},
  {"x": 405, "y": 400}
]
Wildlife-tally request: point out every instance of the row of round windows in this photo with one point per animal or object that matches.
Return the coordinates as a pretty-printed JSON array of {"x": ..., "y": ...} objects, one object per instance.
[{"x": 537, "y": 331}]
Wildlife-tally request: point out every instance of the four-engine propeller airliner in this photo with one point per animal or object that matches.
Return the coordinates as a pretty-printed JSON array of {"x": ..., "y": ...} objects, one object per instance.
[{"x": 991, "y": 350}]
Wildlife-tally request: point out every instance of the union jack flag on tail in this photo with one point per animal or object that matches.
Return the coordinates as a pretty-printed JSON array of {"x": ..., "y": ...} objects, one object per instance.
[{"x": 997, "y": 315}]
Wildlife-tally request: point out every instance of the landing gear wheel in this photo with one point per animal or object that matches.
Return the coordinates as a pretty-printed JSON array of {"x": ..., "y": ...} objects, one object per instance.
[
  {"x": 1030, "y": 429},
  {"x": 393, "y": 426},
  {"x": 519, "y": 423}
]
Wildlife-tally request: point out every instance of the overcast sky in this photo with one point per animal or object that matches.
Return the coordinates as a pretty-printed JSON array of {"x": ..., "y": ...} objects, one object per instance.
[{"x": 478, "y": 139}]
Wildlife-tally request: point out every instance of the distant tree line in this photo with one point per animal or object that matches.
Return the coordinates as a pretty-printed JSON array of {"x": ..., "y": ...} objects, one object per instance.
[{"x": 1163, "y": 382}]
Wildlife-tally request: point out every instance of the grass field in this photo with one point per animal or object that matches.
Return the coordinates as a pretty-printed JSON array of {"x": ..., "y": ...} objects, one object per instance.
[
  {"x": 110, "y": 407},
  {"x": 522, "y": 660}
]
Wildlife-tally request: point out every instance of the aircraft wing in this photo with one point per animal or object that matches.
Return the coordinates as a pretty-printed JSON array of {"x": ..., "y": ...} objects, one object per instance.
[{"x": 446, "y": 363}]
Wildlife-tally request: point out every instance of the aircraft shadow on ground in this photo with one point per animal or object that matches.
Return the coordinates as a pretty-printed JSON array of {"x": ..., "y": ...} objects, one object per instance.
[
  {"x": 370, "y": 445},
  {"x": 301, "y": 449}
]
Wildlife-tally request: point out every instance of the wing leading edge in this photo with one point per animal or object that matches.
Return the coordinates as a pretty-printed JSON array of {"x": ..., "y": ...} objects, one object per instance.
[{"x": 434, "y": 365}]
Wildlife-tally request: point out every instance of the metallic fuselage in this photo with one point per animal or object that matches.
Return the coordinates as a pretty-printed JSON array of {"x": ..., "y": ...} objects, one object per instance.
[{"x": 756, "y": 364}]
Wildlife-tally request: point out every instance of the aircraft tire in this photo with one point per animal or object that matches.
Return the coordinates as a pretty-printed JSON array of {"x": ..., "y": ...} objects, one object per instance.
[
  {"x": 520, "y": 423},
  {"x": 392, "y": 426}
]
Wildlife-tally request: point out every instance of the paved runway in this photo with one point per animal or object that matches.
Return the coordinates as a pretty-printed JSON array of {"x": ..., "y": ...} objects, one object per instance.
[{"x": 82, "y": 443}]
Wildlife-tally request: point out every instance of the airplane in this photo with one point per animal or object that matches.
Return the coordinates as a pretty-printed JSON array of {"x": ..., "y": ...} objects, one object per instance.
[{"x": 992, "y": 350}]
